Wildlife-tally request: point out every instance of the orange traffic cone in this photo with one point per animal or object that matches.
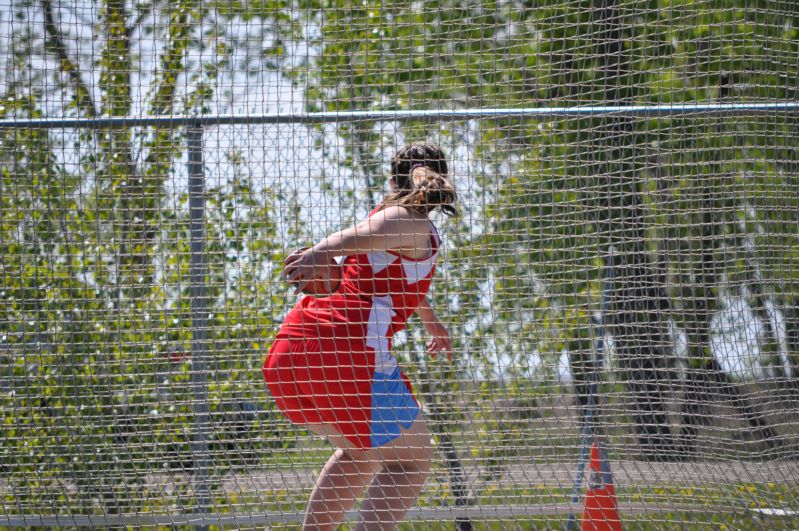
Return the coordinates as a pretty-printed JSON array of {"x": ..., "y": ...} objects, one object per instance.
[{"x": 601, "y": 511}]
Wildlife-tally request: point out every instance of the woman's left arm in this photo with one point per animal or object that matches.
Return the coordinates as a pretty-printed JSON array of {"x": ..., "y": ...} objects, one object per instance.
[{"x": 439, "y": 335}]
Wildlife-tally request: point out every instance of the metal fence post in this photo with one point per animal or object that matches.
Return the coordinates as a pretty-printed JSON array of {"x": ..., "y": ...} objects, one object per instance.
[{"x": 199, "y": 322}]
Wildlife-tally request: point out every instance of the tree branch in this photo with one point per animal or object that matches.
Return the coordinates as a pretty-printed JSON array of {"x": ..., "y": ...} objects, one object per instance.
[
  {"x": 166, "y": 82},
  {"x": 82, "y": 94},
  {"x": 143, "y": 12}
]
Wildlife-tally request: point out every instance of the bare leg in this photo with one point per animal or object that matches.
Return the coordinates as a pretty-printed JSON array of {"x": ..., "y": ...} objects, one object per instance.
[
  {"x": 341, "y": 482},
  {"x": 396, "y": 487},
  {"x": 391, "y": 494}
]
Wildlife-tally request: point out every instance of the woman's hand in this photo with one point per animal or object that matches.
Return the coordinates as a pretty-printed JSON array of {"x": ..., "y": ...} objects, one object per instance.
[
  {"x": 439, "y": 339},
  {"x": 439, "y": 335},
  {"x": 306, "y": 265}
]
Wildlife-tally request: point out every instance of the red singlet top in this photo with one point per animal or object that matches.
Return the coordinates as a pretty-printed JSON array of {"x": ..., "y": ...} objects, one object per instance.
[{"x": 378, "y": 292}]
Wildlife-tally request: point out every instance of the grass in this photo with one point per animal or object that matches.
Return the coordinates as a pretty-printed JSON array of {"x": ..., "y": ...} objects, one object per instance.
[{"x": 706, "y": 505}]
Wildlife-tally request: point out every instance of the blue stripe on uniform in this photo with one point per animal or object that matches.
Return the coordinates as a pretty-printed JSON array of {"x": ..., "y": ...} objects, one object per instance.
[{"x": 393, "y": 407}]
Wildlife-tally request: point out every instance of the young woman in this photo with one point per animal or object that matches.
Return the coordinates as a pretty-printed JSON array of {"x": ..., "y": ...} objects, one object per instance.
[{"x": 330, "y": 367}]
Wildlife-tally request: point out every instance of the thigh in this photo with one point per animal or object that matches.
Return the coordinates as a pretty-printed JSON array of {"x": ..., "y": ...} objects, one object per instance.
[
  {"x": 413, "y": 446},
  {"x": 413, "y": 449}
]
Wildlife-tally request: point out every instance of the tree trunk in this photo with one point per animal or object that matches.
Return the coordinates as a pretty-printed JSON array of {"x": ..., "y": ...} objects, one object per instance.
[
  {"x": 791, "y": 312},
  {"x": 637, "y": 298},
  {"x": 705, "y": 380},
  {"x": 636, "y": 303}
]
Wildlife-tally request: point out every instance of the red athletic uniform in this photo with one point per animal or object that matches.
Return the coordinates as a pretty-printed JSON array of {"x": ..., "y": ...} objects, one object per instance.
[{"x": 331, "y": 361}]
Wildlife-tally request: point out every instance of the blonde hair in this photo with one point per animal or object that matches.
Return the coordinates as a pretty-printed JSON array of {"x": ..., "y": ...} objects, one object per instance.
[{"x": 420, "y": 173}]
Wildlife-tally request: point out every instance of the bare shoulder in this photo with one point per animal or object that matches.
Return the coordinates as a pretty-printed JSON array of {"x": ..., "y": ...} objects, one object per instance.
[
  {"x": 395, "y": 212},
  {"x": 409, "y": 220}
]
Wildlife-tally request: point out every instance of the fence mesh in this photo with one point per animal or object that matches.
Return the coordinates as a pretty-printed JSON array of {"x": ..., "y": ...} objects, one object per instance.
[{"x": 652, "y": 254}]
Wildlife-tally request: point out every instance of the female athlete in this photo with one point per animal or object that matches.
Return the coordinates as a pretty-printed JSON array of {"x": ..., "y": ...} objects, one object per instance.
[{"x": 330, "y": 367}]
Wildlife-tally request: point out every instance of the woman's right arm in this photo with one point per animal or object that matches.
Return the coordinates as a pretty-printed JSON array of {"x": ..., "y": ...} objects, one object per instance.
[{"x": 393, "y": 228}]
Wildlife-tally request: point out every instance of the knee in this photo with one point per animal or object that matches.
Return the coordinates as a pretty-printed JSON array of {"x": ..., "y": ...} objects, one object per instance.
[{"x": 319, "y": 516}]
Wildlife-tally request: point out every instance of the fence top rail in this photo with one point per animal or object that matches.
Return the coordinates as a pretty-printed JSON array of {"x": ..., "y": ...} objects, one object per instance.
[{"x": 681, "y": 109}]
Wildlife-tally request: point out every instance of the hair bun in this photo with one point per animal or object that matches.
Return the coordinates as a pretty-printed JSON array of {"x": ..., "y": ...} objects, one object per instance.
[{"x": 421, "y": 175}]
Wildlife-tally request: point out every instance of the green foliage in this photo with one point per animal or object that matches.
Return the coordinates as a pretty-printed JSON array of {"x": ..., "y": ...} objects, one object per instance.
[
  {"x": 557, "y": 201},
  {"x": 549, "y": 214},
  {"x": 95, "y": 328}
]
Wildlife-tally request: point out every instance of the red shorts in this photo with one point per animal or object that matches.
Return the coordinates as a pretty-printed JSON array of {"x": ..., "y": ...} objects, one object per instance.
[{"x": 333, "y": 381}]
